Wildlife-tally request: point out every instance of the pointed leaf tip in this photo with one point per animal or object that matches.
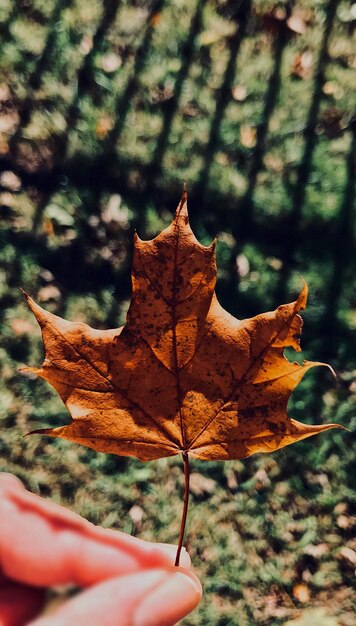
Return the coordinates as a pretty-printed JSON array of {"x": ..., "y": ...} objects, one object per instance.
[
  {"x": 330, "y": 368},
  {"x": 303, "y": 297},
  {"x": 348, "y": 430},
  {"x": 25, "y": 294},
  {"x": 41, "y": 431},
  {"x": 30, "y": 370},
  {"x": 213, "y": 244},
  {"x": 39, "y": 313},
  {"x": 182, "y": 208}
]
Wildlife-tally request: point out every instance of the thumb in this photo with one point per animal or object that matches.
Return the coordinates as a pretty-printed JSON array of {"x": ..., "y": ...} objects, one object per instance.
[{"x": 149, "y": 598}]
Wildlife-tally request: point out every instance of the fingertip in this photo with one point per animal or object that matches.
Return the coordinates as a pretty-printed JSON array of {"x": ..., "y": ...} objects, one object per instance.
[
  {"x": 193, "y": 578},
  {"x": 10, "y": 481},
  {"x": 178, "y": 594}
]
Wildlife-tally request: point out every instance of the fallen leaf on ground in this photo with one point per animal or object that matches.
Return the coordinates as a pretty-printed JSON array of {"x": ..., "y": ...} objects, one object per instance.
[
  {"x": 348, "y": 554},
  {"x": 301, "y": 592}
]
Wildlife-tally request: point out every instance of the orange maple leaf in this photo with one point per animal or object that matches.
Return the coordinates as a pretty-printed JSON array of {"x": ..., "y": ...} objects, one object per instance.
[{"x": 182, "y": 375}]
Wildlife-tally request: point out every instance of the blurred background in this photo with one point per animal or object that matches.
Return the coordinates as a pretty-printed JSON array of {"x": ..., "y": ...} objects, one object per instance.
[{"x": 106, "y": 107}]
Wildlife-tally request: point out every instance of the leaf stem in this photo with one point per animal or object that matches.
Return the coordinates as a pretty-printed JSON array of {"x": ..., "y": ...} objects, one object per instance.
[{"x": 185, "y": 505}]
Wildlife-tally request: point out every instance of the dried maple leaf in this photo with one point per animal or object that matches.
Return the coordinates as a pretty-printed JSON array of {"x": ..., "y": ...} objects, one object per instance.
[{"x": 182, "y": 375}]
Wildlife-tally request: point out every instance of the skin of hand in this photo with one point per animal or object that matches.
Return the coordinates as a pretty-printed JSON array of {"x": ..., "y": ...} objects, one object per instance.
[{"x": 125, "y": 581}]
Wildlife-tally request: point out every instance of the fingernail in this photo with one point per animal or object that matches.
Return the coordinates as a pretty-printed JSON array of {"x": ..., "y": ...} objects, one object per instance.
[
  {"x": 170, "y": 601},
  {"x": 171, "y": 550}
]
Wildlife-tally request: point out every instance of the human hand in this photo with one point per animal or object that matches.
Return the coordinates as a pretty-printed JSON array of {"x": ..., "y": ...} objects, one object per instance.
[{"x": 126, "y": 581}]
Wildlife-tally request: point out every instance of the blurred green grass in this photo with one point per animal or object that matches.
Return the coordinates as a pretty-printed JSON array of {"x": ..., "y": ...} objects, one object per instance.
[{"x": 106, "y": 108}]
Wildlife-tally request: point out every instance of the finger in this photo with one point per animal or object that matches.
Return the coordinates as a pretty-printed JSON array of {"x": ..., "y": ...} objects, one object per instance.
[
  {"x": 44, "y": 544},
  {"x": 151, "y": 598},
  {"x": 19, "y": 604}
]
